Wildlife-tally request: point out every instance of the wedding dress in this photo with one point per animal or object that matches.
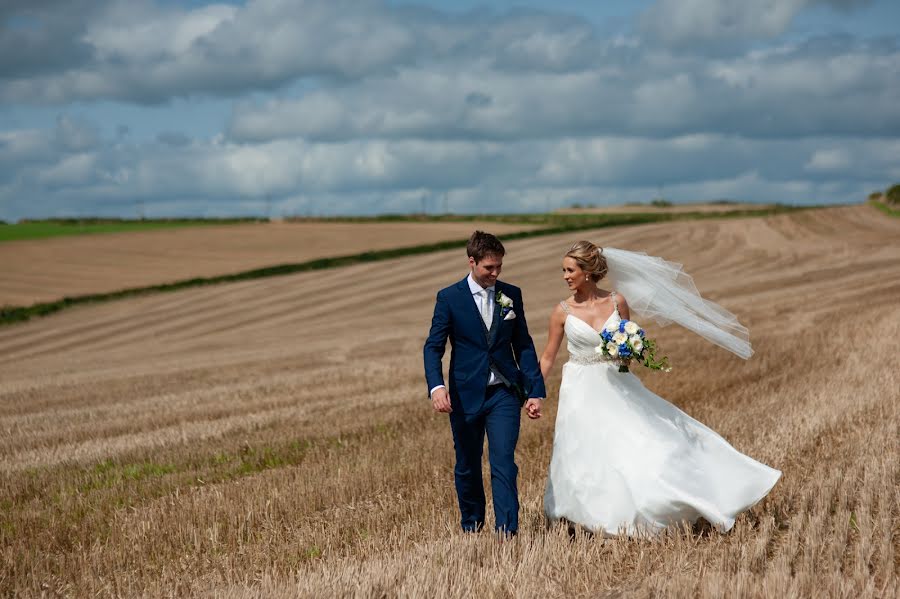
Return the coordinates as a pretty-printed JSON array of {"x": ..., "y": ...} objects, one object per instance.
[{"x": 627, "y": 461}]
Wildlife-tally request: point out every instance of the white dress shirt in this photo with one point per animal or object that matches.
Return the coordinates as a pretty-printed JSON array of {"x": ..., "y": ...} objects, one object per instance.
[{"x": 478, "y": 297}]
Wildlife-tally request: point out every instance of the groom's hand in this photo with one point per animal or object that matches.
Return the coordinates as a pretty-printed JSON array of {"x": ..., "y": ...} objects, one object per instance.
[
  {"x": 533, "y": 407},
  {"x": 440, "y": 401}
]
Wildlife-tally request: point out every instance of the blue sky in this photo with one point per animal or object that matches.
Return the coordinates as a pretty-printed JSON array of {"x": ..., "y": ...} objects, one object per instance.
[{"x": 367, "y": 106}]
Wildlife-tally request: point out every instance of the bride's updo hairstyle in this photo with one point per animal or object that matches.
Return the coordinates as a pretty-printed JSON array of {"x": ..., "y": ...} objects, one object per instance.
[{"x": 589, "y": 258}]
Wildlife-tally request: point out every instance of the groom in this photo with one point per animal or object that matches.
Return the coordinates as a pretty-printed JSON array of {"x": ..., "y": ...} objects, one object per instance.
[{"x": 493, "y": 370}]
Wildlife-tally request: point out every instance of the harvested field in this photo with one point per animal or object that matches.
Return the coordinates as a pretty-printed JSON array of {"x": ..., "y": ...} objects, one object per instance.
[
  {"x": 701, "y": 207},
  {"x": 47, "y": 269},
  {"x": 272, "y": 437}
]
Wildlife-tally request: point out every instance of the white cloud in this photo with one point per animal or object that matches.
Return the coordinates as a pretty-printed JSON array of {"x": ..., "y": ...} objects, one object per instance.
[
  {"x": 819, "y": 88},
  {"x": 829, "y": 160},
  {"x": 23, "y": 146},
  {"x": 144, "y": 53},
  {"x": 74, "y": 170},
  {"x": 378, "y": 175},
  {"x": 724, "y": 22},
  {"x": 377, "y": 105}
]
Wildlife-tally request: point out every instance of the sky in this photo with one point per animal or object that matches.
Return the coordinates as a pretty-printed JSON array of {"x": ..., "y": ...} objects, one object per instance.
[{"x": 165, "y": 108}]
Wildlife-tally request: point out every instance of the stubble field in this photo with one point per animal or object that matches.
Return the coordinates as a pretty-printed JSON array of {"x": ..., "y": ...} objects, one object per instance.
[
  {"x": 44, "y": 270},
  {"x": 272, "y": 437},
  {"x": 700, "y": 207}
]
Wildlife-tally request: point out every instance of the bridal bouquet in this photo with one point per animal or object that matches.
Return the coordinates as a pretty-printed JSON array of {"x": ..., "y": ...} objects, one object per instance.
[{"x": 625, "y": 341}]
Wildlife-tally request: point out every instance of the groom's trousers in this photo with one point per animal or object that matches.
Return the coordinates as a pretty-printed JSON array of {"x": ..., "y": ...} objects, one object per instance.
[{"x": 499, "y": 417}]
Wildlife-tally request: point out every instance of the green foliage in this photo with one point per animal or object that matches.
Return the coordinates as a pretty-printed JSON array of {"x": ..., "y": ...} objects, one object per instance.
[
  {"x": 649, "y": 358},
  {"x": 893, "y": 194},
  {"x": 661, "y": 203},
  {"x": 109, "y": 473},
  {"x": 42, "y": 229},
  {"x": 880, "y": 206}
]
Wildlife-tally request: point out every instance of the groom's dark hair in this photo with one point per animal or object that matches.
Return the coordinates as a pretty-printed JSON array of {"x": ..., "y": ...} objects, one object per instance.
[{"x": 483, "y": 244}]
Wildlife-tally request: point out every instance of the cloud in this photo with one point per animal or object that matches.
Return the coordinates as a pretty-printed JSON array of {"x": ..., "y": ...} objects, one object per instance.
[
  {"x": 147, "y": 53},
  {"x": 372, "y": 176},
  {"x": 829, "y": 160},
  {"x": 39, "y": 38},
  {"x": 25, "y": 149},
  {"x": 825, "y": 86},
  {"x": 70, "y": 171},
  {"x": 139, "y": 51},
  {"x": 368, "y": 106},
  {"x": 693, "y": 23}
]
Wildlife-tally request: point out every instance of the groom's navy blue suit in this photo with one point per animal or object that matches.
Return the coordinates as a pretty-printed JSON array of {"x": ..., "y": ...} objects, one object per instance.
[{"x": 477, "y": 408}]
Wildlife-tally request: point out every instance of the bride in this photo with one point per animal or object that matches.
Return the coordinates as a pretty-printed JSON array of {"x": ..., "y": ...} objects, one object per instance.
[{"x": 624, "y": 459}]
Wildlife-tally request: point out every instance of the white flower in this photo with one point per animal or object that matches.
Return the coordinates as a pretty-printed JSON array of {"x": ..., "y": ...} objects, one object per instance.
[
  {"x": 631, "y": 327},
  {"x": 613, "y": 349},
  {"x": 504, "y": 300},
  {"x": 612, "y": 327},
  {"x": 637, "y": 343},
  {"x": 620, "y": 338},
  {"x": 599, "y": 349}
]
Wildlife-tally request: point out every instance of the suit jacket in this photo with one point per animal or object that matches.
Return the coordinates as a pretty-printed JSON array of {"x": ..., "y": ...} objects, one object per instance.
[{"x": 507, "y": 347}]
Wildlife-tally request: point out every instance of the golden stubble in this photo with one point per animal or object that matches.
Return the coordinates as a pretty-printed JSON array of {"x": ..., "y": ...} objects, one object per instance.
[{"x": 273, "y": 438}]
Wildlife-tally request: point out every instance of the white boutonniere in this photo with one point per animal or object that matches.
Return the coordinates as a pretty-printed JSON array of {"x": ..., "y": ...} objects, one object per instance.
[{"x": 506, "y": 306}]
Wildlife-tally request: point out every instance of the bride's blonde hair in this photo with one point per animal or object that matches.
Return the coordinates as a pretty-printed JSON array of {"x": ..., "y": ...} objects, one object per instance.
[{"x": 589, "y": 258}]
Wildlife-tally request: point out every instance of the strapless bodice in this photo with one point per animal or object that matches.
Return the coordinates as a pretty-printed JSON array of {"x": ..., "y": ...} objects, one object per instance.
[{"x": 583, "y": 340}]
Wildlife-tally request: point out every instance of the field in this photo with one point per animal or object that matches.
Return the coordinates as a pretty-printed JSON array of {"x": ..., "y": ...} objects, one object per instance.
[
  {"x": 700, "y": 207},
  {"x": 272, "y": 437},
  {"x": 66, "y": 228},
  {"x": 42, "y": 270}
]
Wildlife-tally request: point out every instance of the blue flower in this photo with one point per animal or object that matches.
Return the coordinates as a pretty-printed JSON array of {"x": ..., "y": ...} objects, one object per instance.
[
  {"x": 622, "y": 325},
  {"x": 624, "y": 351}
]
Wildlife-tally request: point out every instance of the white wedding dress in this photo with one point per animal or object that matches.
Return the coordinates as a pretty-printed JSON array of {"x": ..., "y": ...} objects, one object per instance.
[{"x": 627, "y": 461}]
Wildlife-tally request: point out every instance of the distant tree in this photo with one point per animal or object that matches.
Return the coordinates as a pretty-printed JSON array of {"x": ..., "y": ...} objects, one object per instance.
[
  {"x": 661, "y": 203},
  {"x": 893, "y": 194},
  {"x": 876, "y": 195}
]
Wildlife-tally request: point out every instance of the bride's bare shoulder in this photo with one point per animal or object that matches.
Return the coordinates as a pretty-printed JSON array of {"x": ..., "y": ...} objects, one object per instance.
[{"x": 622, "y": 305}]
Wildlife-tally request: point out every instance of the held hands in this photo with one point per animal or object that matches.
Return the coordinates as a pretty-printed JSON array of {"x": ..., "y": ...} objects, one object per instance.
[
  {"x": 533, "y": 407},
  {"x": 440, "y": 401}
]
